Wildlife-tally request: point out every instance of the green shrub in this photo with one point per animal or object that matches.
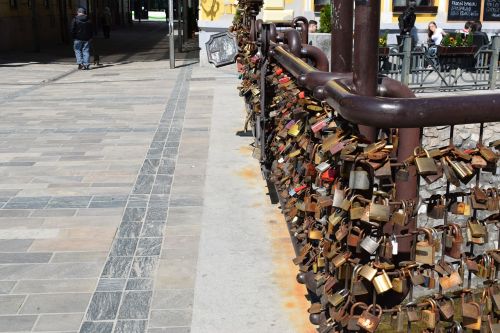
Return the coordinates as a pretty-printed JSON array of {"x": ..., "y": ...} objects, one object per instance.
[{"x": 325, "y": 19}]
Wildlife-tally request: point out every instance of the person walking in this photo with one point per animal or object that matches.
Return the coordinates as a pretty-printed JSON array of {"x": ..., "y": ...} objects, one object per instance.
[
  {"x": 81, "y": 31},
  {"x": 106, "y": 22}
]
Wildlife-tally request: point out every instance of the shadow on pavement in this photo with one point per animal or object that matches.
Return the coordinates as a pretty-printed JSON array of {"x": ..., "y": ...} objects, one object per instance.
[{"x": 144, "y": 41}]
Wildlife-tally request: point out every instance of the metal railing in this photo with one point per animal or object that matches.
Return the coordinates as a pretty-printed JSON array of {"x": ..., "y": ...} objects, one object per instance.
[{"x": 422, "y": 71}]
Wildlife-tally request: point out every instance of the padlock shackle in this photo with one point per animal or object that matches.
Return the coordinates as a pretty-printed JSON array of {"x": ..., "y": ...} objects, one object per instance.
[{"x": 362, "y": 305}]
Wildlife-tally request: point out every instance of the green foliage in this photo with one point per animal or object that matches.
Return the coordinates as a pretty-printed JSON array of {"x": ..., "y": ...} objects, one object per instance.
[
  {"x": 468, "y": 40},
  {"x": 325, "y": 19},
  {"x": 382, "y": 41}
]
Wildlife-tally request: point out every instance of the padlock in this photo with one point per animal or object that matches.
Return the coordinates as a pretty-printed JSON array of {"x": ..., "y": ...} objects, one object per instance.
[
  {"x": 492, "y": 201},
  {"x": 357, "y": 207},
  {"x": 411, "y": 311},
  {"x": 399, "y": 283},
  {"x": 487, "y": 153},
  {"x": 454, "y": 249},
  {"x": 403, "y": 174},
  {"x": 352, "y": 325},
  {"x": 382, "y": 283},
  {"x": 446, "y": 308},
  {"x": 400, "y": 216},
  {"x": 355, "y": 236},
  {"x": 429, "y": 316},
  {"x": 342, "y": 231},
  {"x": 340, "y": 259},
  {"x": 338, "y": 298},
  {"x": 315, "y": 234},
  {"x": 398, "y": 323},
  {"x": 369, "y": 244},
  {"x": 417, "y": 279},
  {"x": 471, "y": 314},
  {"x": 368, "y": 272},
  {"x": 385, "y": 249},
  {"x": 338, "y": 197},
  {"x": 425, "y": 252},
  {"x": 425, "y": 165},
  {"x": 450, "y": 174},
  {"x": 368, "y": 321},
  {"x": 436, "y": 208},
  {"x": 379, "y": 212},
  {"x": 357, "y": 286},
  {"x": 478, "y": 162},
  {"x": 451, "y": 281},
  {"x": 477, "y": 229},
  {"x": 359, "y": 179}
]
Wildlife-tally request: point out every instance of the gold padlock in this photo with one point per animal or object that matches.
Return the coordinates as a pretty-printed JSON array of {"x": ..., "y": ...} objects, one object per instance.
[
  {"x": 425, "y": 251},
  {"x": 382, "y": 283},
  {"x": 429, "y": 316},
  {"x": 368, "y": 272},
  {"x": 425, "y": 165}
]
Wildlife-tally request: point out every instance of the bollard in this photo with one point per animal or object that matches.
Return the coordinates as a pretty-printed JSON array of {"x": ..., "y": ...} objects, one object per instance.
[
  {"x": 495, "y": 45},
  {"x": 406, "y": 65}
]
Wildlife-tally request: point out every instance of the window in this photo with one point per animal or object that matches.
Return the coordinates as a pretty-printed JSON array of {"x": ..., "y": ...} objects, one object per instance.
[
  {"x": 423, "y": 6},
  {"x": 13, "y": 4}
]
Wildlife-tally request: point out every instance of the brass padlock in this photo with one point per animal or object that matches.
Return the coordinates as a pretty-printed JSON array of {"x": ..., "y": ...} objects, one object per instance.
[
  {"x": 425, "y": 165},
  {"x": 429, "y": 316},
  {"x": 425, "y": 252},
  {"x": 368, "y": 321},
  {"x": 399, "y": 284},
  {"x": 451, "y": 281},
  {"x": 471, "y": 314},
  {"x": 357, "y": 207},
  {"x": 368, "y": 272},
  {"x": 411, "y": 311},
  {"x": 382, "y": 283},
  {"x": 400, "y": 216},
  {"x": 379, "y": 212},
  {"x": 355, "y": 236},
  {"x": 338, "y": 298}
]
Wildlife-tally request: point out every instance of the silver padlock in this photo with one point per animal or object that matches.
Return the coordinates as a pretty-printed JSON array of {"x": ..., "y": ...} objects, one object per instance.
[
  {"x": 338, "y": 198},
  {"x": 359, "y": 178},
  {"x": 369, "y": 244}
]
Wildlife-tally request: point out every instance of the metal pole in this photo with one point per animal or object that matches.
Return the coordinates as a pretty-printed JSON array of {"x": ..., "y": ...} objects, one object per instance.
[
  {"x": 171, "y": 33},
  {"x": 341, "y": 37},
  {"x": 179, "y": 25},
  {"x": 405, "y": 67},
  {"x": 495, "y": 43},
  {"x": 34, "y": 22},
  {"x": 365, "y": 71},
  {"x": 185, "y": 19}
]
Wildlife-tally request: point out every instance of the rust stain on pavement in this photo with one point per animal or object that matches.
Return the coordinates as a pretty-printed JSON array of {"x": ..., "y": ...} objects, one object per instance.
[{"x": 292, "y": 293}]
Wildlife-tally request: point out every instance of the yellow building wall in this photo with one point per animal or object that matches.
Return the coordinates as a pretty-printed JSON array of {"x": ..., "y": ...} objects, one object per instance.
[{"x": 211, "y": 10}]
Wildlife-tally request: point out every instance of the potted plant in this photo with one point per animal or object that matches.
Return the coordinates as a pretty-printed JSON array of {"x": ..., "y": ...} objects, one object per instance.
[
  {"x": 456, "y": 45},
  {"x": 383, "y": 50}
]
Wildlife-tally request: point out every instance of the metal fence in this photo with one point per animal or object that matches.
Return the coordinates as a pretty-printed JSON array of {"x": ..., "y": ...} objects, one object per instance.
[{"x": 422, "y": 70}]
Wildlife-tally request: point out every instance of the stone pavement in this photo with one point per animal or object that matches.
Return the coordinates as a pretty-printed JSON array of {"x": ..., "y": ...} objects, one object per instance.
[{"x": 128, "y": 203}]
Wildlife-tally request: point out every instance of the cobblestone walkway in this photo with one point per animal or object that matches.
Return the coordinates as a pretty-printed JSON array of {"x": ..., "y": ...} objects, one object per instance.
[{"x": 128, "y": 203}]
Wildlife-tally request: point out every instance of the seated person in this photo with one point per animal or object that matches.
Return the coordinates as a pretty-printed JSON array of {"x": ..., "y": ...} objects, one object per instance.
[{"x": 479, "y": 38}]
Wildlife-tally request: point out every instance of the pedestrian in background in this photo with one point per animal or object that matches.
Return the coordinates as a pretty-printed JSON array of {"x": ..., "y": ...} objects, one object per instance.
[
  {"x": 106, "y": 22},
  {"x": 81, "y": 31},
  {"x": 313, "y": 26},
  {"x": 479, "y": 38},
  {"x": 406, "y": 23}
]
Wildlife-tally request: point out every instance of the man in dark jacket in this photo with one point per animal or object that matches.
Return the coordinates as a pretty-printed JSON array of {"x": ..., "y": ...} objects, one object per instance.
[{"x": 81, "y": 30}]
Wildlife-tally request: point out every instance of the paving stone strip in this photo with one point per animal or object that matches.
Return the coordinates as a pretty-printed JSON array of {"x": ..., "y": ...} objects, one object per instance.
[{"x": 122, "y": 299}]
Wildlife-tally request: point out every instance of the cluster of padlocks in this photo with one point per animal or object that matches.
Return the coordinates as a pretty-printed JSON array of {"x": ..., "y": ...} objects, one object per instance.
[{"x": 360, "y": 250}]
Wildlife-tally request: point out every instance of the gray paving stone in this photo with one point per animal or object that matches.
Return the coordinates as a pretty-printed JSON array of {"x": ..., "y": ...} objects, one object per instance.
[
  {"x": 23, "y": 257},
  {"x": 17, "y": 323},
  {"x": 153, "y": 229},
  {"x": 109, "y": 284},
  {"x": 79, "y": 257},
  {"x": 124, "y": 247},
  {"x": 129, "y": 229},
  {"x": 50, "y": 271},
  {"x": 27, "y": 203},
  {"x": 117, "y": 267},
  {"x": 134, "y": 214},
  {"x": 59, "y": 322},
  {"x": 139, "y": 284},
  {"x": 143, "y": 267},
  {"x": 14, "y": 212},
  {"x": 165, "y": 318},
  {"x": 7, "y": 286},
  {"x": 10, "y": 304},
  {"x": 55, "y": 286},
  {"x": 69, "y": 202},
  {"x": 131, "y": 326},
  {"x": 135, "y": 305},
  {"x": 96, "y": 327},
  {"x": 144, "y": 184},
  {"x": 53, "y": 212},
  {"x": 173, "y": 299},
  {"x": 149, "y": 246},
  {"x": 107, "y": 204},
  {"x": 157, "y": 214},
  {"x": 103, "y": 306},
  {"x": 56, "y": 303},
  {"x": 150, "y": 166}
]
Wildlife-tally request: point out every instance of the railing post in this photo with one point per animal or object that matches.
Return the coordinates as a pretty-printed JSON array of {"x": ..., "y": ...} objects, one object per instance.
[
  {"x": 406, "y": 65},
  {"x": 495, "y": 45}
]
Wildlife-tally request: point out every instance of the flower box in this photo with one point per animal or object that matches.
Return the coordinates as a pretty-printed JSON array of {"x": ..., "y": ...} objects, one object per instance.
[{"x": 456, "y": 50}]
